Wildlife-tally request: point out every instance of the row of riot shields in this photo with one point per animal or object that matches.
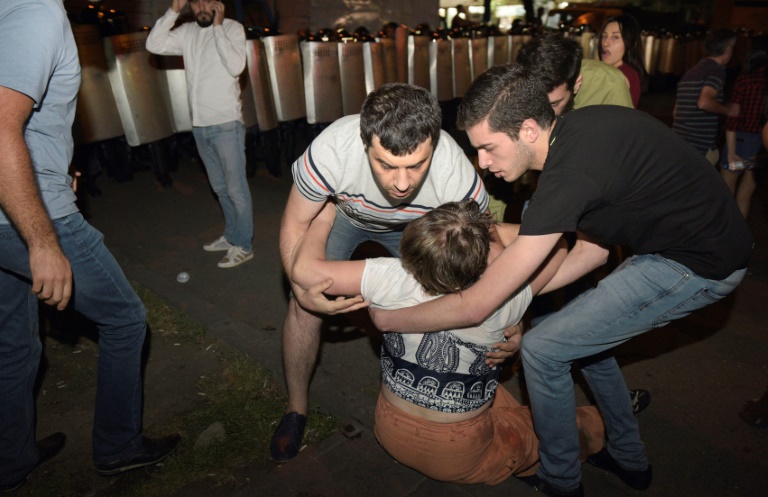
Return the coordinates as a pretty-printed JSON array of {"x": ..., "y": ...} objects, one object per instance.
[
  {"x": 126, "y": 91},
  {"x": 337, "y": 75},
  {"x": 673, "y": 54}
]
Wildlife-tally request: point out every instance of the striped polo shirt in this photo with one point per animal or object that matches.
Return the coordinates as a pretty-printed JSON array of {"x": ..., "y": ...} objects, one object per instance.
[
  {"x": 336, "y": 165},
  {"x": 698, "y": 127}
]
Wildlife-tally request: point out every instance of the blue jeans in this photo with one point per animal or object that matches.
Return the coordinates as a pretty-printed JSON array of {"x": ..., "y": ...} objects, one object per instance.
[
  {"x": 645, "y": 292},
  {"x": 102, "y": 294},
  {"x": 222, "y": 148},
  {"x": 345, "y": 238}
]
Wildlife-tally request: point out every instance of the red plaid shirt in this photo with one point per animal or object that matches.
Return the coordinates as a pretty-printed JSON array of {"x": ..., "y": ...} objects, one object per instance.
[{"x": 749, "y": 93}]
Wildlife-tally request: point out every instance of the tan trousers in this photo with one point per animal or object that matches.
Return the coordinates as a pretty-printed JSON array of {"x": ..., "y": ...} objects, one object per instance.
[{"x": 489, "y": 448}]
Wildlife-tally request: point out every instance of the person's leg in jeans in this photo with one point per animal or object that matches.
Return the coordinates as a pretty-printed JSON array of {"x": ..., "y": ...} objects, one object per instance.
[
  {"x": 19, "y": 360},
  {"x": 301, "y": 329},
  {"x": 103, "y": 295},
  {"x": 645, "y": 292},
  {"x": 222, "y": 148}
]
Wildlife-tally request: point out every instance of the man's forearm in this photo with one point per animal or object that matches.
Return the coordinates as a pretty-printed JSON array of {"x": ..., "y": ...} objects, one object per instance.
[
  {"x": 289, "y": 238},
  {"x": 19, "y": 194},
  {"x": 708, "y": 103},
  {"x": 309, "y": 252}
]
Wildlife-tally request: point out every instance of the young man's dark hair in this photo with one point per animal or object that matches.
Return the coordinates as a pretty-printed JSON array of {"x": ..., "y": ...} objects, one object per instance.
[
  {"x": 718, "y": 41},
  {"x": 446, "y": 250},
  {"x": 506, "y": 96},
  {"x": 554, "y": 60},
  {"x": 402, "y": 117}
]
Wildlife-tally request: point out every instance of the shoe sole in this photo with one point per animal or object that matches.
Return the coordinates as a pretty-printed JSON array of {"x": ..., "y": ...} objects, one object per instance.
[
  {"x": 117, "y": 471},
  {"x": 228, "y": 265},
  {"x": 216, "y": 249}
]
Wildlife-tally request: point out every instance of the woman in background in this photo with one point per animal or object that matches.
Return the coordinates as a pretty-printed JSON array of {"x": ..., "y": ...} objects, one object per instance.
[
  {"x": 622, "y": 48},
  {"x": 742, "y": 133}
]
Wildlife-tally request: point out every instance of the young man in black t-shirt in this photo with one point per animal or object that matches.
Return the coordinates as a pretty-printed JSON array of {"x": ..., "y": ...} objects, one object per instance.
[{"x": 615, "y": 176}]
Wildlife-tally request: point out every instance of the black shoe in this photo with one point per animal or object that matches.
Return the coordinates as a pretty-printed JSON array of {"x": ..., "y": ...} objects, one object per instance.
[
  {"x": 47, "y": 449},
  {"x": 286, "y": 442},
  {"x": 542, "y": 487},
  {"x": 640, "y": 400},
  {"x": 152, "y": 451},
  {"x": 639, "y": 480}
]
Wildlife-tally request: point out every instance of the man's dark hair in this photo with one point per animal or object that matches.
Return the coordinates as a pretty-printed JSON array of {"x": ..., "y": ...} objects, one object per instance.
[
  {"x": 554, "y": 60},
  {"x": 402, "y": 116},
  {"x": 446, "y": 250},
  {"x": 506, "y": 96},
  {"x": 717, "y": 41}
]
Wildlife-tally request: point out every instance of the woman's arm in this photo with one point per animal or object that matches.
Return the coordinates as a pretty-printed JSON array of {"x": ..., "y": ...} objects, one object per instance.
[
  {"x": 511, "y": 269},
  {"x": 585, "y": 256}
]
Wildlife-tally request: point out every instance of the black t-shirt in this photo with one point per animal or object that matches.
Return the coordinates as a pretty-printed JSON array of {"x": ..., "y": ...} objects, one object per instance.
[{"x": 622, "y": 177}]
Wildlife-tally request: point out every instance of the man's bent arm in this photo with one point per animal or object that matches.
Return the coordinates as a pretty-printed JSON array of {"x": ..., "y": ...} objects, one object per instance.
[
  {"x": 708, "y": 102},
  {"x": 310, "y": 267},
  {"x": 21, "y": 202},
  {"x": 163, "y": 41},
  {"x": 502, "y": 278},
  {"x": 230, "y": 44},
  {"x": 299, "y": 212}
]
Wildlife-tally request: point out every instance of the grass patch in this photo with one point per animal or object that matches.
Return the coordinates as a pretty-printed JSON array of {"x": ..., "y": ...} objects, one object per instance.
[
  {"x": 169, "y": 321},
  {"x": 234, "y": 391},
  {"x": 246, "y": 401},
  {"x": 244, "y": 398}
]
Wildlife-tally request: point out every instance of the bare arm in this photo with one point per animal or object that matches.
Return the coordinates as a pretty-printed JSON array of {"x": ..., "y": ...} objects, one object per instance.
[
  {"x": 299, "y": 213},
  {"x": 585, "y": 256},
  {"x": 503, "y": 277},
  {"x": 310, "y": 266},
  {"x": 730, "y": 140},
  {"x": 765, "y": 135},
  {"x": 20, "y": 200},
  {"x": 708, "y": 102},
  {"x": 504, "y": 350}
]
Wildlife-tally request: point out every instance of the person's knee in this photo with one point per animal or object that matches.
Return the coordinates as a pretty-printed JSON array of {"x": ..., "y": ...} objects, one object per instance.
[
  {"x": 299, "y": 319},
  {"x": 528, "y": 347}
]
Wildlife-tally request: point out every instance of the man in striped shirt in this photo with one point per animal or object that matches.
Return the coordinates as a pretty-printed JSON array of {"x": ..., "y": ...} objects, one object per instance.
[
  {"x": 382, "y": 168},
  {"x": 699, "y": 102}
]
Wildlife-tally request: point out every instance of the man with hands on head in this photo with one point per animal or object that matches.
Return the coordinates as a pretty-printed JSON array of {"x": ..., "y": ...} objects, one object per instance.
[
  {"x": 639, "y": 184},
  {"x": 49, "y": 253},
  {"x": 382, "y": 168},
  {"x": 213, "y": 49}
]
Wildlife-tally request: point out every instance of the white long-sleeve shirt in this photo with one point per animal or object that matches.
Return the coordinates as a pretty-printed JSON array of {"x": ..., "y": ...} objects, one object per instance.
[{"x": 214, "y": 58}]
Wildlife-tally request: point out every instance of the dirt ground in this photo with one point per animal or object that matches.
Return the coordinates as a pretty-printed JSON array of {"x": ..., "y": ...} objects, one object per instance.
[{"x": 67, "y": 385}]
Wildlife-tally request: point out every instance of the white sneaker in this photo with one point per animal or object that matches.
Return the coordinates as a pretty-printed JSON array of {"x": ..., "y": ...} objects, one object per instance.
[
  {"x": 217, "y": 245},
  {"x": 235, "y": 256}
]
